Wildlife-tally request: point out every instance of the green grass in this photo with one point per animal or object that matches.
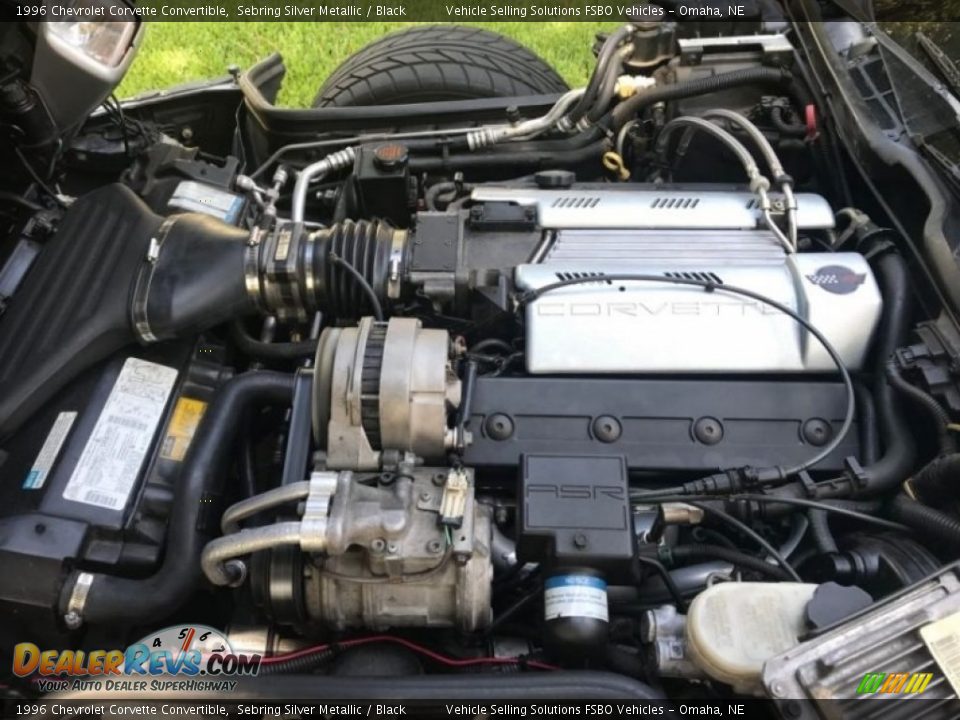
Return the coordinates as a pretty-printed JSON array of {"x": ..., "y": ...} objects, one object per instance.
[{"x": 178, "y": 51}]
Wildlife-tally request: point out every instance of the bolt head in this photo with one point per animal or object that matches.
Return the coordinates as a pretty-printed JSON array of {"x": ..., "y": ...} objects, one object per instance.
[{"x": 72, "y": 620}]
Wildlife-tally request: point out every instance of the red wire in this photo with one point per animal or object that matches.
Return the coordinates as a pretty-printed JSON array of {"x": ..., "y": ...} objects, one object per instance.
[{"x": 443, "y": 659}]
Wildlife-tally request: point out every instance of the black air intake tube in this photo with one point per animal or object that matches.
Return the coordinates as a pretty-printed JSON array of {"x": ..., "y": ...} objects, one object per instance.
[
  {"x": 116, "y": 273},
  {"x": 126, "y": 601}
]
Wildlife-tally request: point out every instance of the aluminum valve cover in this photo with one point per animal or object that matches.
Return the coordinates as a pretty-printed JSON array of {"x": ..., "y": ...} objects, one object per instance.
[
  {"x": 627, "y": 207},
  {"x": 609, "y": 326}
]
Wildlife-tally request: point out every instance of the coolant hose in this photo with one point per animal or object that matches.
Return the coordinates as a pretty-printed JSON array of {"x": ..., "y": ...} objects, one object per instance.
[
  {"x": 928, "y": 522},
  {"x": 899, "y": 449},
  {"x": 820, "y": 531},
  {"x": 699, "y": 86},
  {"x": 249, "y": 345},
  {"x": 97, "y": 598},
  {"x": 607, "y": 65},
  {"x": 927, "y": 402},
  {"x": 938, "y": 483}
]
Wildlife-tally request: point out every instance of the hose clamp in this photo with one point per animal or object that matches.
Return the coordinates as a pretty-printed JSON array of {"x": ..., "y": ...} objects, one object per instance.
[
  {"x": 251, "y": 268},
  {"x": 141, "y": 289},
  {"x": 73, "y": 617},
  {"x": 397, "y": 248},
  {"x": 309, "y": 295}
]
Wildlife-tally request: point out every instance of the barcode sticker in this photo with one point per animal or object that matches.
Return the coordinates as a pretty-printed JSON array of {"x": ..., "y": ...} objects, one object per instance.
[
  {"x": 943, "y": 641},
  {"x": 113, "y": 456},
  {"x": 50, "y": 450}
]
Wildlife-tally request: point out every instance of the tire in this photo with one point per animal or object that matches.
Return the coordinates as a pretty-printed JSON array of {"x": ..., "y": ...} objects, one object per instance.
[{"x": 436, "y": 63}]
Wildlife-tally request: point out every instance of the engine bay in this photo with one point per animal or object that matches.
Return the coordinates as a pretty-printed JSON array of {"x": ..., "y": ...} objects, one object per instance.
[{"x": 576, "y": 390}]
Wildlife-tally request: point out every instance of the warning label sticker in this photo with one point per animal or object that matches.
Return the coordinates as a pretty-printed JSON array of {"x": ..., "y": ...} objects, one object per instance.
[
  {"x": 113, "y": 456},
  {"x": 186, "y": 417},
  {"x": 943, "y": 640}
]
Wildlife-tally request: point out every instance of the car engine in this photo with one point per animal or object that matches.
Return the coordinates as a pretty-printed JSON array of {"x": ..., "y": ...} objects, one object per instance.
[{"x": 555, "y": 391}]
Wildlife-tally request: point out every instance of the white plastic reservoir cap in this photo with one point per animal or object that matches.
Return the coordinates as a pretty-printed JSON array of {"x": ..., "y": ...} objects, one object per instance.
[{"x": 733, "y": 628}]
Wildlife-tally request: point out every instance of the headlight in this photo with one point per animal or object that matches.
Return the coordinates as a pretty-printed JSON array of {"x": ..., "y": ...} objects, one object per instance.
[
  {"x": 82, "y": 53},
  {"x": 105, "y": 42}
]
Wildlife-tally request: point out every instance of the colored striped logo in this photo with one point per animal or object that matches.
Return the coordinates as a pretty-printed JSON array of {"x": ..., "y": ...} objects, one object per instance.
[{"x": 894, "y": 683}]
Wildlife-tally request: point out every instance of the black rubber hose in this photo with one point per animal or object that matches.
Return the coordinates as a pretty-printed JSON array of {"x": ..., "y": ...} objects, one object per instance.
[
  {"x": 867, "y": 426},
  {"x": 820, "y": 531},
  {"x": 899, "y": 451},
  {"x": 435, "y": 191},
  {"x": 601, "y": 71},
  {"x": 269, "y": 351},
  {"x": 734, "y": 557},
  {"x": 928, "y": 522},
  {"x": 699, "y": 86},
  {"x": 523, "y": 158},
  {"x": 527, "y": 686},
  {"x": 488, "y": 344},
  {"x": 604, "y": 97},
  {"x": 937, "y": 414},
  {"x": 784, "y": 127},
  {"x": 665, "y": 578},
  {"x": 938, "y": 483},
  {"x": 622, "y": 661},
  {"x": 124, "y": 601}
]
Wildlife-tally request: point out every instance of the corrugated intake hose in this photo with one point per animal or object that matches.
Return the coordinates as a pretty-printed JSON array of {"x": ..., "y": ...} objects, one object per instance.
[
  {"x": 124, "y": 601},
  {"x": 928, "y": 522},
  {"x": 938, "y": 483}
]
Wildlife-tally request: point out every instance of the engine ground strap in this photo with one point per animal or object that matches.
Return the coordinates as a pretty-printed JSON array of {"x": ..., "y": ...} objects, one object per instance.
[{"x": 370, "y": 383}]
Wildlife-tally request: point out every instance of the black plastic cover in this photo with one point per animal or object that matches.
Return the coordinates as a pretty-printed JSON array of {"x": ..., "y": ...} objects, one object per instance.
[
  {"x": 43, "y": 534},
  {"x": 574, "y": 511},
  {"x": 72, "y": 309},
  {"x": 659, "y": 424}
]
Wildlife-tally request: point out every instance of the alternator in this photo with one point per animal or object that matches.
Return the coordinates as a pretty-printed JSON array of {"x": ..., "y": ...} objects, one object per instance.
[{"x": 383, "y": 386}]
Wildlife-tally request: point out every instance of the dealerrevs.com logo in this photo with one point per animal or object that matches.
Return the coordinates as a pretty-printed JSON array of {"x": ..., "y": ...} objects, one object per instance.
[{"x": 178, "y": 658}]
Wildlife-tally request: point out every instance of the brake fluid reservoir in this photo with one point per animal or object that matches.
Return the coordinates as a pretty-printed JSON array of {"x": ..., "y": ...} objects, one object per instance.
[{"x": 733, "y": 628}]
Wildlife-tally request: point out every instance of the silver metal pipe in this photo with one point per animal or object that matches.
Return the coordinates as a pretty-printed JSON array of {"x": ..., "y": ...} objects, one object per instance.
[
  {"x": 233, "y": 515},
  {"x": 486, "y": 136},
  {"x": 220, "y": 557},
  {"x": 503, "y": 550},
  {"x": 334, "y": 161},
  {"x": 773, "y": 160}
]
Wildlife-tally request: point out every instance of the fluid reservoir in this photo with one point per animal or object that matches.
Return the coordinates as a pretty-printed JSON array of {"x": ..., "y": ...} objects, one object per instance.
[
  {"x": 575, "y": 611},
  {"x": 733, "y": 628}
]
